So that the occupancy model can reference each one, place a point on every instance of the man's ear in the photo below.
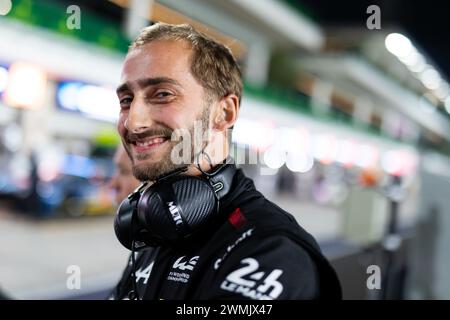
(226, 112)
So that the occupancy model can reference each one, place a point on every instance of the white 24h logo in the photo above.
(250, 270)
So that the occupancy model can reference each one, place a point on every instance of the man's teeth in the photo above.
(149, 142)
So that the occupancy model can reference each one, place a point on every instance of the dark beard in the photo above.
(151, 172)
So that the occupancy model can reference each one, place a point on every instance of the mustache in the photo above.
(158, 131)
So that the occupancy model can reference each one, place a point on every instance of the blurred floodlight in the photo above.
(299, 162)
(92, 101)
(346, 153)
(430, 78)
(398, 45)
(402, 47)
(447, 104)
(97, 102)
(367, 156)
(3, 79)
(288, 138)
(412, 58)
(26, 86)
(5, 7)
(398, 162)
(419, 66)
(325, 148)
(274, 157)
(258, 135)
(443, 91)
(414, 61)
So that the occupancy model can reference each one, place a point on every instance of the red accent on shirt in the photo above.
(237, 219)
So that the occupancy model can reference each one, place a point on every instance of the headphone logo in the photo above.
(173, 209)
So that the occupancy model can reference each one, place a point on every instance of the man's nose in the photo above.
(139, 117)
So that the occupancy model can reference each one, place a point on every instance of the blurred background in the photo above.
(345, 122)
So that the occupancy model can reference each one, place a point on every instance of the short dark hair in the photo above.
(212, 63)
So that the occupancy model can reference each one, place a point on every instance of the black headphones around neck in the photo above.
(173, 208)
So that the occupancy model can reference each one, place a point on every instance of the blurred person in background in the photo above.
(233, 245)
(122, 182)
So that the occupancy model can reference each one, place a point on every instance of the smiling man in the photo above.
(191, 245)
(167, 85)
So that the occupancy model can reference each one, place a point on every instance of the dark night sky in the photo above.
(427, 23)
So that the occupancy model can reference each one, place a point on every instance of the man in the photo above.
(174, 78)
(122, 182)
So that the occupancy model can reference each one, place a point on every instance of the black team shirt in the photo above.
(254, 251)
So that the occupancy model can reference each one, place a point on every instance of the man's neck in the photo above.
(205, 166)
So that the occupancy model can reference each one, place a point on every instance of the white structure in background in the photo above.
(287, 137)
(260, 24)
(390, 95)
(136, 18)
(32, 84)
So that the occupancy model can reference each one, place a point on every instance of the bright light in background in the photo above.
(430, 78)
(401, 46)
(26, 86)
(443, 91)
(288, 138)
(366, 156)
(98, 102)
(398, 162)
(325, 148)
(274, 157)
(299, 161)
(447, 104)
(3, 78)
(398, 45)
(5, 7)
(346, 153)
(92, 101)
(413, 58)
(391, 163)
(304, 140)
(419, 66)
(258, 135)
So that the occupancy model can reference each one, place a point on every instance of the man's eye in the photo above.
(125, 101)
(162, 94)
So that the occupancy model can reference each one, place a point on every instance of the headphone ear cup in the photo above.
(154, 218)
(197, 199)
(124, 224)
(174, 209)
